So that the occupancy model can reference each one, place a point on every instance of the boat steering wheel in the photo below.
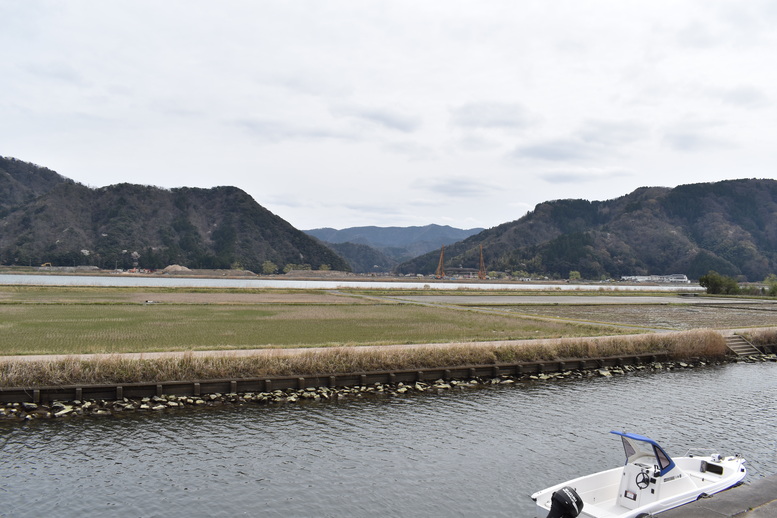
(643, 480)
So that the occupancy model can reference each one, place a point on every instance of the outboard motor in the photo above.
(565, 503)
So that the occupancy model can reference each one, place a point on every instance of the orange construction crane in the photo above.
(482, 271)
(440, 272)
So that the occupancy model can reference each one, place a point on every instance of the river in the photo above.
(476, 452)
(126, 280)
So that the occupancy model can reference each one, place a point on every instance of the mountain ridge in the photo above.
(387, 246)
(728, 226)
(47, 218)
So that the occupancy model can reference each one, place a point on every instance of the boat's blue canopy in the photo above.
(645, 450)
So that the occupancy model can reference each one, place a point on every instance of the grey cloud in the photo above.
(696, 35)
(373, 209)
(411, 150)
(745, 96)
(318, 85)
(457, 187)
(493, 115)
(472, 142)
(612, 133)
(689, 140)
(275, 131)
(57, 71)
(390, 119)
(554, 150)
(583, 175)
(593, 138)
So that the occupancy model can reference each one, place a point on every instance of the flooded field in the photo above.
(676, 317)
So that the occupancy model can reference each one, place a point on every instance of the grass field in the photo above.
(73, 320)
(55, 320)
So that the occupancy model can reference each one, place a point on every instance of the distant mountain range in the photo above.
(728, 226)
(46, 218)
(370, 249)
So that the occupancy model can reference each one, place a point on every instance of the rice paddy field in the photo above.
(476, 328)
(676, 317)
(78, 320)
(68, 320)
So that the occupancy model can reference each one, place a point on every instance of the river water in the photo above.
(475, 452)
(206, 282)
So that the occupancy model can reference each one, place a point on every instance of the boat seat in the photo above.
(708, 467)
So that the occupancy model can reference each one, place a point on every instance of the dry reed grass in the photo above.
(119, 369)
(763, 336)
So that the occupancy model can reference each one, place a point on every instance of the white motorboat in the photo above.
(650, 482)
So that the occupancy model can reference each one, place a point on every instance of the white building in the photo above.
(674, 277)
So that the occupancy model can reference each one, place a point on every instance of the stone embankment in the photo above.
(57, 409)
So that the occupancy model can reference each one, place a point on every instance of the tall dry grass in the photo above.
(120, 369)
(763, 336)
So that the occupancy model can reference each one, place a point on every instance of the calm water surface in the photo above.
(201, 282)
(477, 452)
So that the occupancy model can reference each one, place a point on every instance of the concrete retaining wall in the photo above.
(268, 384)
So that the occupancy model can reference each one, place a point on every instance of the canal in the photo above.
(474, 452)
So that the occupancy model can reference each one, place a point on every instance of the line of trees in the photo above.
(718, 284)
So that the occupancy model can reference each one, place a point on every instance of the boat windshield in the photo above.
(643, 450)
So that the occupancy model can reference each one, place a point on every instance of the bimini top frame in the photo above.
(643, 450)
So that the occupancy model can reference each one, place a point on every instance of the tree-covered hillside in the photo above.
(49, 219)
(398, 243)
(729, 227)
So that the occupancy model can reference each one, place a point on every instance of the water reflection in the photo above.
(454, 454)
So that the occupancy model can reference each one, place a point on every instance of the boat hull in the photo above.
(607, 494)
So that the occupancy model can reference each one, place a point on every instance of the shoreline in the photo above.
(46, 371)
(22, 411)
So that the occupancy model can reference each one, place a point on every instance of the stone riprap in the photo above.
(58, 409)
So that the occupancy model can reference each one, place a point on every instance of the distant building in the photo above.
(467, 273)
(674, 277)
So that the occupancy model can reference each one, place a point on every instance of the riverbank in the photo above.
(164, 367)
(83, 407)
(70, 401)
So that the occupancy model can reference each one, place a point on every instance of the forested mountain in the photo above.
(364, 258)
(397, 243)
(22, 182)
(729, 227)
(46, 218)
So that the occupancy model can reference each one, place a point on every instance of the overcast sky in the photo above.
(397, 113)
